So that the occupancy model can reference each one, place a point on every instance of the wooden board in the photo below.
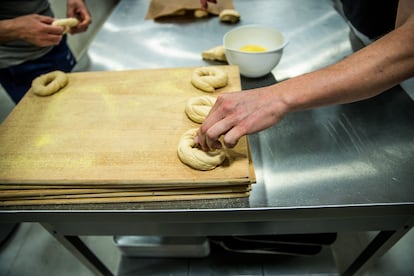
(123, 199)
(116, 192)
(112, 128)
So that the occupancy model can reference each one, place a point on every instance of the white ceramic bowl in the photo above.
(254, 64)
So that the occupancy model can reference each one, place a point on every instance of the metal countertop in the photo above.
(359, 154)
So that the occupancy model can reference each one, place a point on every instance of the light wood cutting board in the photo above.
(114, 128)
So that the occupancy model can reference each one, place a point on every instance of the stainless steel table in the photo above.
(339, 168)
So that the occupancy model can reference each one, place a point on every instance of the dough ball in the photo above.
(66, 22)
(197, 108)
(199, 13)
(229, 16)
(209, 78)
(196, 158)
(216, 53)
(49, 83)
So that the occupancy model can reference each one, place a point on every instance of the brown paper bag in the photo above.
(164, 8)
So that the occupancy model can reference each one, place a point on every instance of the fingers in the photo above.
(201, 140)
(204, 3)
(48, 28)
(40, 33)
(44, 19)
(78, 10)
(210, 140)
(84, 22)
(221, 121)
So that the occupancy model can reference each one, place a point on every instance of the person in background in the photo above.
(31, 46)
(384, 63)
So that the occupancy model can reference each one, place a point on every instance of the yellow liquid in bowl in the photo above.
(252, 48)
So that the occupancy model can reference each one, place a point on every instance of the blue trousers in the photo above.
(17, 79)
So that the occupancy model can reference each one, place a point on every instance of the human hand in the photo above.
(79, 10)
(37, 30)
(237, 114)
(204, 3)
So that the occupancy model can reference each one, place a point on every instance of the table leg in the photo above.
(382, 242)
(80, 250)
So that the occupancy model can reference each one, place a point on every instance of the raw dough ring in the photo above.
(66, 22)
(197, 108)
(208, 78)
(216, 53)
(49, 83)
(195, 157)
(229, 15)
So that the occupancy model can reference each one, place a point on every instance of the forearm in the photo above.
(362, 75)
(7, 31)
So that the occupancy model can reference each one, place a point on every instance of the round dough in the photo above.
(49, 83)
(216, 53)
(195, 157)
(229, 15)
(197, 108)
(199, 13)
(208, 78)
(66, 22)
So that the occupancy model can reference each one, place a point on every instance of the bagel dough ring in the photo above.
(49, 83)
(199, 13)
(195, 157)
(229, 16)
(197, 108)
(208, 78)
(67, 23)
(216, 53)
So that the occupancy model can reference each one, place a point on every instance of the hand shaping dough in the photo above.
(208, 78)
(49, 83)
(195, 157)
(197, 108)
(229, 15)
(216, 53)
(66, 22)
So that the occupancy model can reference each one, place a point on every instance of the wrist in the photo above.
(8, 31)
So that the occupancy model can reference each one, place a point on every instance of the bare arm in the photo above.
(37, 29)
(364, 74)
(33, 28)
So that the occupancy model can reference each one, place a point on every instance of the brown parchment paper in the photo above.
(163, 8)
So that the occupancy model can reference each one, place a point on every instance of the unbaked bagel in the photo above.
(196, 158)
(197, 108)
(229, 16)
(49, 83)
(216, 53)
(209, 78)
(67, 23)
